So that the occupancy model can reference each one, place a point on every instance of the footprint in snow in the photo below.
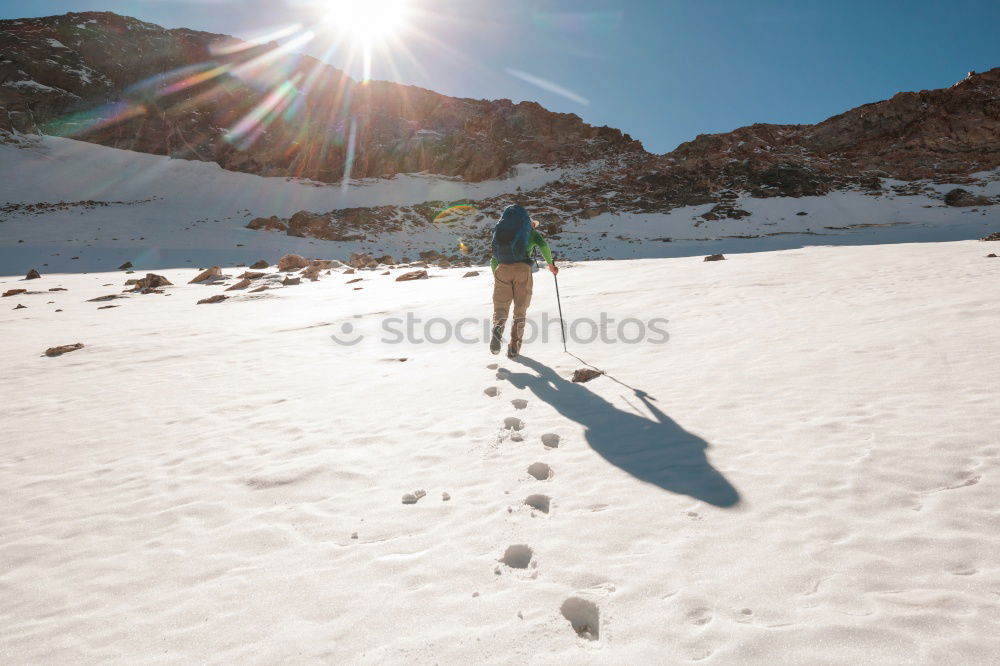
(519, 403)
(584, 616)
(513, 423)
(550, 440)
(412, 498)
(517, 556)
(491, 391)
(540, 471)
(492, 366)
(539, 502)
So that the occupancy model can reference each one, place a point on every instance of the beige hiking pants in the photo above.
(512, 283)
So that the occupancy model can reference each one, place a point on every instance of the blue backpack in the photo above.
(511, 235)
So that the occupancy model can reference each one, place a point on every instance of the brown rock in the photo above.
(62, 349)
(995, 236)
(354, 280)
(218, 298)
(252, 275)
(124, 267)
(412, 275)
(262, 287)
(242, 284)
(207, 274)
(148, 284)
(960, 197)
(273, 223)
(471, 274)
(991, 255)
(32, 275)
(14, 292)
(350, 271)
(715, 257)
(292, 262)
(20, 307)
(57, 289)
(291, 281)
(585, 375)
(101, 299)
(260, 264)
(311, 273)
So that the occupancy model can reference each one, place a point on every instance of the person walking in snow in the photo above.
(515, 238)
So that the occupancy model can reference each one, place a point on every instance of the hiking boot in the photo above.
(512, 351)
(496, 340)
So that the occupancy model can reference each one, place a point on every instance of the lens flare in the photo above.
(454, 213)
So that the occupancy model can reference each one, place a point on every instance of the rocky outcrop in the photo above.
(960, 197)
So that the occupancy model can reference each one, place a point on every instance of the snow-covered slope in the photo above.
(168, 212)
(165, 212)
(807, 471)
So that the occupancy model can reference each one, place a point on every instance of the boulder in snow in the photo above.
(218, 298)
(32, 275)
(471, 274)
(995, 236)
(14, 292)
(260, 264)
(62, 349)
(292, 262)
(273, 223)
(242, 284)
(291, 281)
(151, 282)
(715, 257)
(207, 274)
(581, 375)
(960, 197)
(127, 265)
(412, 275)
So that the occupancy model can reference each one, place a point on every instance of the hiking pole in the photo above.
(562, 325)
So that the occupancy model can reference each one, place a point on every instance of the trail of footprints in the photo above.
(583, 615)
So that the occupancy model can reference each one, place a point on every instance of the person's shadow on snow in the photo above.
(658, 452)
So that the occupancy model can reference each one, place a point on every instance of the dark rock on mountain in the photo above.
(260, 264)
(14, 292)
(272, 223)
(715, 257)
(995, 236)
(32, 275)
(218, 298)
(960, 197)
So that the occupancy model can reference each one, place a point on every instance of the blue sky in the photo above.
(661, 70)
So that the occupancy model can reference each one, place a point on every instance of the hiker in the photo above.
(515, 238)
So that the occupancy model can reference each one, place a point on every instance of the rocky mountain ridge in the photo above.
(259, 108)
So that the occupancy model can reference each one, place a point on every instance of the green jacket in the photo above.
(535, 241)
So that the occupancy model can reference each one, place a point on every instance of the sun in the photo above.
(366, 21)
